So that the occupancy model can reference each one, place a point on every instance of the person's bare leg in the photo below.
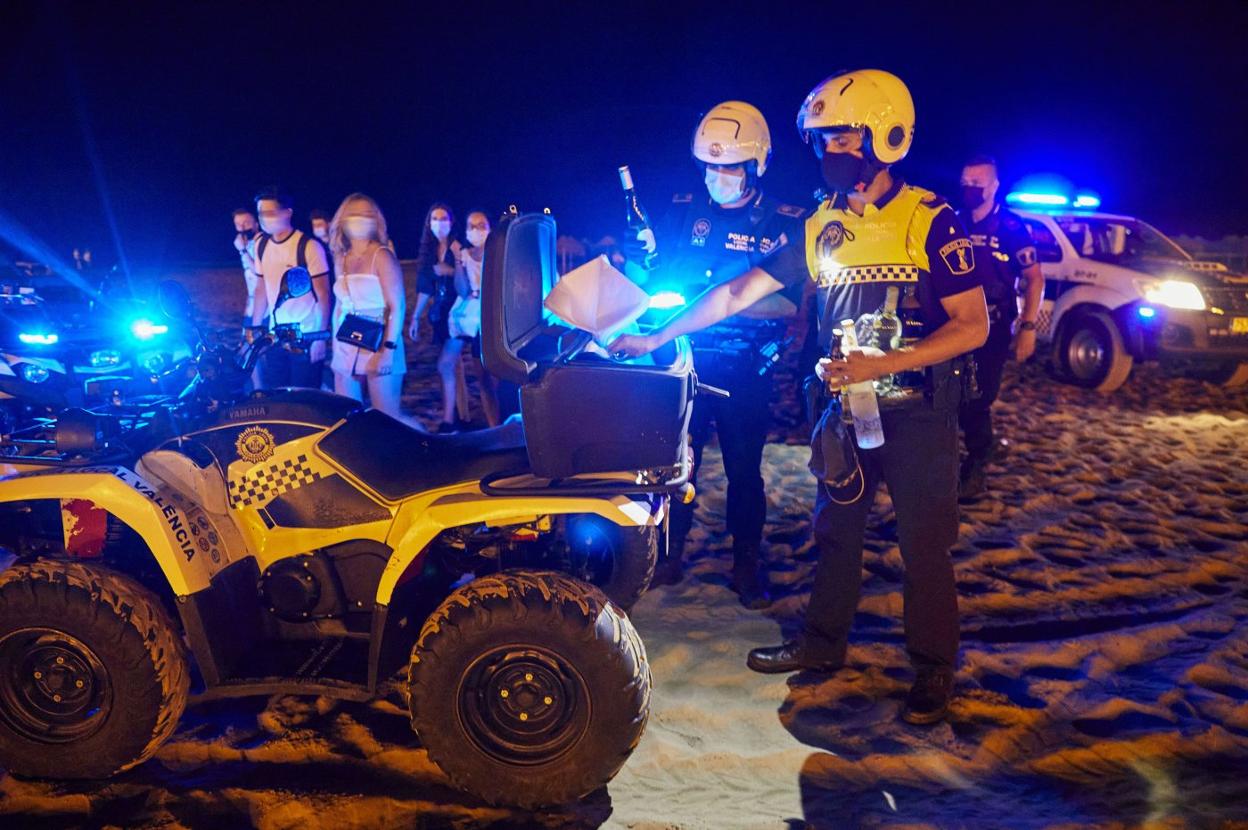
(461, 390)
(386, 393)
(489, 397)
(348, 386)
(446, 368)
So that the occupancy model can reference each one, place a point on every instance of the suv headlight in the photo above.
(1174, 294)
(32, 373)
(103, 358)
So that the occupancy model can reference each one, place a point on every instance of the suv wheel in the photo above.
(1089, 352)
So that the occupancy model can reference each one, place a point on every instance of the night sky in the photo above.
(149, 122)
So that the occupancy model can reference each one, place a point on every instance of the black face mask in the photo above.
(972, 197)
(843, 172)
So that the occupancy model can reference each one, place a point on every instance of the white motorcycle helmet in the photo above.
(733, 132)
(870, 99)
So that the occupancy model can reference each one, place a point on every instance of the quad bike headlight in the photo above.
(154, 362)
(32, 373)
(103, 358)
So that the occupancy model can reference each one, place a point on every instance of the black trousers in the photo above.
(741, 421)
(280, 367)
(975, 416)
(918, 462)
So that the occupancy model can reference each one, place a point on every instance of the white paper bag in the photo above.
(597, 298)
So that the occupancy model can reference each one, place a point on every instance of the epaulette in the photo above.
(682, 198)
(934, 201)
(790, 210)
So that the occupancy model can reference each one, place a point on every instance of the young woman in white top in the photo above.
(464, 319)
(369, 283)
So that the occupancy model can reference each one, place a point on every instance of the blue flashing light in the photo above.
(38, 338)
(667, 299)
(1042, 199)
(146, 329)
(1087, 201)
(1146, 311)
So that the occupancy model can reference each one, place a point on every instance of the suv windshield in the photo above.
(1118, 241)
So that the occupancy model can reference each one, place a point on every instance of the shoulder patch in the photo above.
(959, 256)
(682, 198)
(790, 210)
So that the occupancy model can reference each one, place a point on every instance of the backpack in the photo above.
(301, 256)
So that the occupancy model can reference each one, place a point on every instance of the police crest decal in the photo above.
(255, 444)
(830, 238)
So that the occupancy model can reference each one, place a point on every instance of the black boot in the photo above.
(928, 701)
(747, 580)
(670, 570)
(972, 481)
(786, 658)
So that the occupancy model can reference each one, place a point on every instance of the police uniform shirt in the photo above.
(1003, 248)
(713, 244)
(910, 238)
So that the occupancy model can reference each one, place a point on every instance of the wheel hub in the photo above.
(523, 705)
(53, 687)
(1086, 355)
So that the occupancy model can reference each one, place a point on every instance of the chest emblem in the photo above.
(831, 237)
(701, 230)
(255, 444)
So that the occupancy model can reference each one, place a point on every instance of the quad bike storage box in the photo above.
(582, 413)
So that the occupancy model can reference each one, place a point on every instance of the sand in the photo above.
(1104, 675)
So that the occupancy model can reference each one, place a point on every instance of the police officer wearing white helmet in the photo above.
(873, 243)
(706, 239)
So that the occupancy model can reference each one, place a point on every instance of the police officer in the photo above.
(1014, 288)
(875, 233)
(706, 240)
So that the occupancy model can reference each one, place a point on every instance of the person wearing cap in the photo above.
(706, 239)
(873, 243)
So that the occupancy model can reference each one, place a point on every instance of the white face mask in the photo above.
(359, 227)
(441, 228)
(321, 232)
(724, 187)
(272, 226)
(476, 237)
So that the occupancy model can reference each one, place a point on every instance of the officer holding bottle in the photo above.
(706, 239)
(873, 242)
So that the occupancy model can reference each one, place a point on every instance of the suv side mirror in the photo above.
(295, 283)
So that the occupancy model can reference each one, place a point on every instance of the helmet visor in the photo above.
(837, 139)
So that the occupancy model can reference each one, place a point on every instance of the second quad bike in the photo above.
(293, 542)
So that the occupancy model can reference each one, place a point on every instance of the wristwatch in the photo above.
(389, 344)
(1026, 325)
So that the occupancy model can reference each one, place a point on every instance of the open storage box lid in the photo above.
(583, 414)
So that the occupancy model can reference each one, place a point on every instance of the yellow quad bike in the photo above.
(293, 542)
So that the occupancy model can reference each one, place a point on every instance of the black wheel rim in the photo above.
(523, 705)
(53, 687)
(594, 552)
(1086, 355)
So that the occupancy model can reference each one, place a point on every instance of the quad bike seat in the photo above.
(398, 461)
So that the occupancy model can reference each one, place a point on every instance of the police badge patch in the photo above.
(959, 256)
(830, 238)
(701, 230)
(255, 444)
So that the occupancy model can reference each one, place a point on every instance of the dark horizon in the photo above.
(150, 126)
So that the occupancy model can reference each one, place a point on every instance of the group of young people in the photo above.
(360, 297)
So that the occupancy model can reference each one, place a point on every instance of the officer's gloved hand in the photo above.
(634, 250)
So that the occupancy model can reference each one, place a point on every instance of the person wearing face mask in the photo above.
(320, 226)
(1014, 288)
(873, 239)
(435, 291)
(369, 286)
(464, 318)
(279, 249)
(705, 241)
(246, 231)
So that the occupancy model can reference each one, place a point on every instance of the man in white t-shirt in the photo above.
(278, 250)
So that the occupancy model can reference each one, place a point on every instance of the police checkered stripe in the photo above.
(1044, 321)
(870, 273)
(271, 481)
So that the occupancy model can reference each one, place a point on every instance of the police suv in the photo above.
(1117, 290)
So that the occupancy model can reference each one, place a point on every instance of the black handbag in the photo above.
(364, 332)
